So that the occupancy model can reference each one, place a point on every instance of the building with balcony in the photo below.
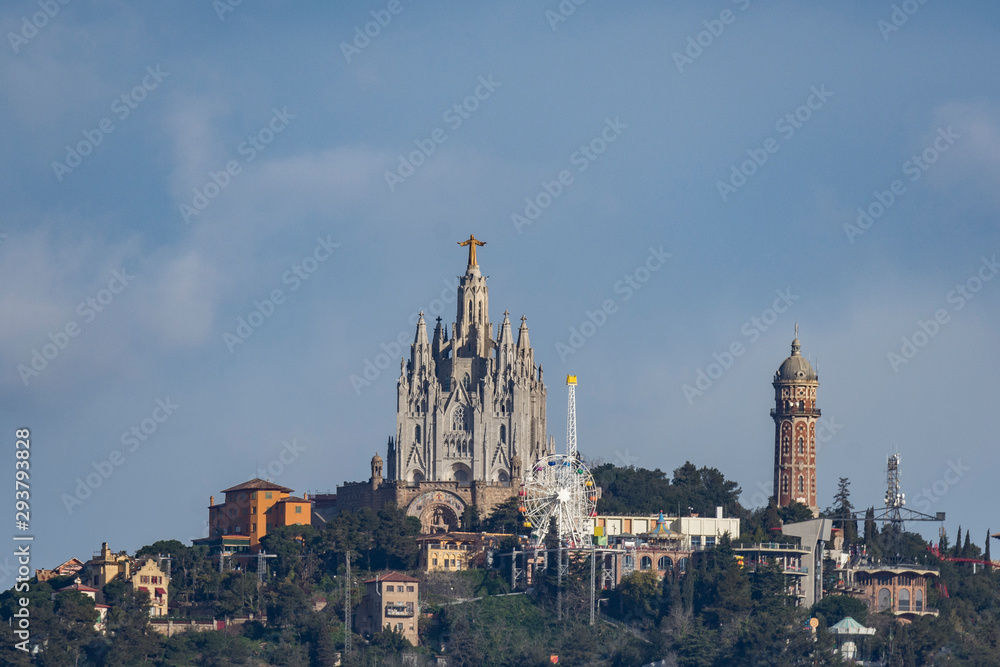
(443, 552)
(144, 575)
(685, 532)
(249, 510)
(792, 559)
(391, 601)
(657, 543)
(898, 589)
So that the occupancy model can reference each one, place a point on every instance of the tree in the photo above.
(772, 520)
(967, 547)
(505, 518)
(794, 513)
(128, 622)
(843, 507)
(871, 530)
(470, 519)
(957, 550)
(76, 614)
(836, 607)
(636, 596)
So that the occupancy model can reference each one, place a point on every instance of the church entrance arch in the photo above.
(438, 511)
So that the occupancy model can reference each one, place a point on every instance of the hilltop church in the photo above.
(470, 413)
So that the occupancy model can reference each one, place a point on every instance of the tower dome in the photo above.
(796, 367)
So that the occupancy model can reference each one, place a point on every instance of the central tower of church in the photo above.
(470, 408)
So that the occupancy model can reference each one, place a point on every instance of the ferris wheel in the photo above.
(558, 490)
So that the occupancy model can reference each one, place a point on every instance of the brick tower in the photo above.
(795, 415)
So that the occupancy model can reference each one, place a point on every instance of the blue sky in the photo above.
(279, 138)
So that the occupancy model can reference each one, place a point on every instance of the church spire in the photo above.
(522, 335)
(421, 337)
(505, 337)
(421, 360)
(472, 334)
(524, 351)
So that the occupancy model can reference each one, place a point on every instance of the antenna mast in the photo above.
(894, 496)
(571, 418)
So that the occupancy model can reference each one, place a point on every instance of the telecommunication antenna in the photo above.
(894, 496)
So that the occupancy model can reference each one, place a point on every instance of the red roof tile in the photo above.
(257, 484)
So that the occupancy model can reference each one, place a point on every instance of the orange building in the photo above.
(251, 508)
(290, 511)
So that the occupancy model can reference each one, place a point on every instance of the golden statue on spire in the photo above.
(472, 243)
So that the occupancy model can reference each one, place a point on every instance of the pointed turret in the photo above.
(439, 339)
(524, 351)
(421, 336)
(420, 352)
(522, 335)
(505, 346)
(505, 337)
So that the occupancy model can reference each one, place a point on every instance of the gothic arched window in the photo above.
(802, 484)
(458, 418)
(467, 381)
(802, 449)
(416, 434)
(503, 434)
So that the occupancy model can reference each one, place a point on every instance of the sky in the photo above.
(219, 220)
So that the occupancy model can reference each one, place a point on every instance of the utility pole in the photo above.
(347, 606)
(593, 580)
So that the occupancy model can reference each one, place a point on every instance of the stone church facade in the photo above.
(470, 414)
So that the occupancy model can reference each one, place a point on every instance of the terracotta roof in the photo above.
(77, 587)
(393, 576)
(257, 484)
(292, 499)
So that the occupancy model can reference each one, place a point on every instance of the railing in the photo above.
(796, 411)
(769, 546)
(785, 569)
(397, 610)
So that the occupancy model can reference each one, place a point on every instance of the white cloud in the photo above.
(976, 155)
(178, 303)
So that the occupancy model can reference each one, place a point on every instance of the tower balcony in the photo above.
(796, 412)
